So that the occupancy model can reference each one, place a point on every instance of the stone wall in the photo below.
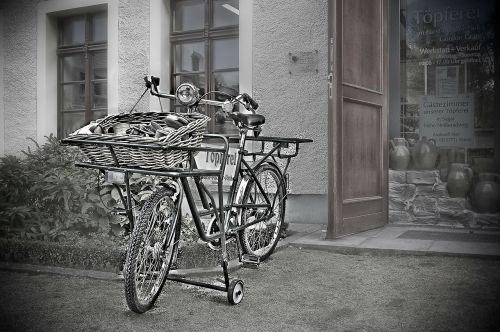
(420, 197)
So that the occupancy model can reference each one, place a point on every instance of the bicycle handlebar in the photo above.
(248, 102)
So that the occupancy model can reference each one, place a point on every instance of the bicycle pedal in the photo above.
(250, 261)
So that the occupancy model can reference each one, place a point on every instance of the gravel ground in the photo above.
(297, 290)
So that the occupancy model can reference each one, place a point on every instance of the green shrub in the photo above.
(43, 195)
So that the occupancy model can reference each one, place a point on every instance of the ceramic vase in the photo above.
(399, 155)
(486, 194)
(425, 154)
(459, 180)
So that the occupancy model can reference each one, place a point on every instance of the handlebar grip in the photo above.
(148, 83)
(155, 80)
(250, 100)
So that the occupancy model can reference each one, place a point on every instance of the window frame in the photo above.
(88, 48)
(207, 35)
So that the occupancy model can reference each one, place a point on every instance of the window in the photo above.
(82, 83)
(448, 75)
(205, 50)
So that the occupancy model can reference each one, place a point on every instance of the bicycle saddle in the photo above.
(249, 120)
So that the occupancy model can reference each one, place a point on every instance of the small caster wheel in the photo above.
(235, 291)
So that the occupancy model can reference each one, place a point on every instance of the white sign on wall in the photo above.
(212, 161)
(448, 119)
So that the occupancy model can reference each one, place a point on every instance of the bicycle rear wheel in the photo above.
(261, 238)
(153, 245)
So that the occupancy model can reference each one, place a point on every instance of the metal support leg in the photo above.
(130, 214)
(225, 258)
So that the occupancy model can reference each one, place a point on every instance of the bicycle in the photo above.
(253, 214)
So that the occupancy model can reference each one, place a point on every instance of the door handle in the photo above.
(329, 78)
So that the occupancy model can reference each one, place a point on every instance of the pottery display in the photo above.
(399, 155)
(459, 180)
(483, 165)
(425, 154)
(444, 163)
(486, 193)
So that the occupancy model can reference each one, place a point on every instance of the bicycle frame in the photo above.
(222, 212)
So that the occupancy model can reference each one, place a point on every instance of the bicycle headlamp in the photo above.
(227, 106)
(187, 94)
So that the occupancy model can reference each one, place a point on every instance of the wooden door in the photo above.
(358, 95)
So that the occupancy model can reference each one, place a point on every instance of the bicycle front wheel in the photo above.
(153, 245)
(261, 238)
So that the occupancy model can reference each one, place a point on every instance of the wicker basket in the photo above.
(139, 151)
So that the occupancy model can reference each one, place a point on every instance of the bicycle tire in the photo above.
(261, 239)
(148, 263)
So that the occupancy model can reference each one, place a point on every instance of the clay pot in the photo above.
(443, 163)
(399, 155)
(459, 180)
(425, 154)
(486, 193)
(483, 165)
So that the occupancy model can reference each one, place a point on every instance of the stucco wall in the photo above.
(20, 61)
(133, 52)
(293, 104)
(2, 124)
(19, 27)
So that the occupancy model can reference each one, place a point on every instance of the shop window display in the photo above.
(447, 114)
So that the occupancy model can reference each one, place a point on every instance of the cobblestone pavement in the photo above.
(296, 290)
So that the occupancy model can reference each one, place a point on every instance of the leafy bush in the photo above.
(43, 195)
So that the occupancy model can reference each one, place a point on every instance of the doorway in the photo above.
(358, 99)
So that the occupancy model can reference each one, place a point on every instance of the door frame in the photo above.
(335, 100)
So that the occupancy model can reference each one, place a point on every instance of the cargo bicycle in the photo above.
(254, 211)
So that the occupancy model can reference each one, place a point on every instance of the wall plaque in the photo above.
(303, 62)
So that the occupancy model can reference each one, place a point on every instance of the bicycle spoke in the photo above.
(261, 238)
(153, 252)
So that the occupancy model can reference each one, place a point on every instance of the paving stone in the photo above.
(423, 177)
(397, 176)
(401, 217)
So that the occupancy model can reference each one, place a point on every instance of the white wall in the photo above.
(2, 108)
(133, 52)
(294, 104)
(19, 45)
